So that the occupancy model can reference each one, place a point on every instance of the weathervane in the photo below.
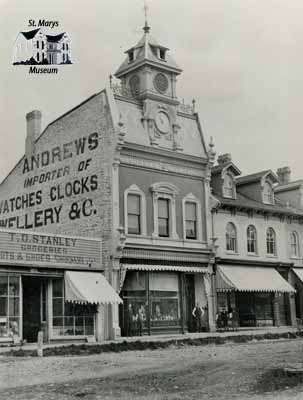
(146, 27)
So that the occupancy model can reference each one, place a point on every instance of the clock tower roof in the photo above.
(147, 52)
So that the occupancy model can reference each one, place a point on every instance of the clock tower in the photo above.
(149, 74)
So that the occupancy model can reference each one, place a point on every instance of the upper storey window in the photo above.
(268, 193)
(294, 244)
(162, 54)
(271, 242)
(231, 237)
(131, 56)
(135, 211)
(228, 186)
(192, 224)
(251, 240)
(164, 209)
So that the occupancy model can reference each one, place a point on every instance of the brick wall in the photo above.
(72, 191)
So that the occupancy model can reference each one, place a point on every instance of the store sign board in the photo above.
(49, 250)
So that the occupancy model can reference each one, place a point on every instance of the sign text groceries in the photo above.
(25, 210)
(32, 248)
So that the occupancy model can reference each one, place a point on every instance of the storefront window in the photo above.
(164, 297)
(9, 306)
(70, 319)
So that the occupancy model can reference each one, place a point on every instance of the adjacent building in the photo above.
(256, 235)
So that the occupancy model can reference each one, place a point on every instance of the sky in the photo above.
(242, 62)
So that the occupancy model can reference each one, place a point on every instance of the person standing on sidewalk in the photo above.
(197, 313)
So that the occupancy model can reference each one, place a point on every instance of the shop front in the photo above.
(53, 284)
(252, 297)
(160, 299)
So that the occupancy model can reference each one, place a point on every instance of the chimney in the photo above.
(33, 130)
(224, 158)
(284, 175)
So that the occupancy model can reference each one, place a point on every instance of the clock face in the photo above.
(161, 83)
(162, 122)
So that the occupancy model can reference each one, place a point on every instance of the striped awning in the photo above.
(251, 279)
(89, 287)
(157, 267)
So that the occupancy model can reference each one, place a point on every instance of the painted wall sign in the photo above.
(73, 181)
(44, 250)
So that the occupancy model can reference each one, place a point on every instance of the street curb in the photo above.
(116, 347)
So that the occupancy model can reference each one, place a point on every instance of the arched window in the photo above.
(271, 241)
(251, 239)
(294, 244)
(268, 193)
(228, 186)
(231, 237)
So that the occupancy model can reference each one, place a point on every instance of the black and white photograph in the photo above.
(151, 200)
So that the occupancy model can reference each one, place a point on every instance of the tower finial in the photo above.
(146, 27)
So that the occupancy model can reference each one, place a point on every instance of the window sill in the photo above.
(253, 254)
(295, 258)
(230, 252)
(271, 256)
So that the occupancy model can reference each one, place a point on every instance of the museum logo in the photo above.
(41, 50)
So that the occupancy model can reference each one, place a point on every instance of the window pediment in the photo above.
(164, 187)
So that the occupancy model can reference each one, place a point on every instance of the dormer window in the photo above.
(162, 54)
(131, 56)
(268, 193)
(228, 186)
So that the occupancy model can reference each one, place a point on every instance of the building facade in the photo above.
(128, 167)
(255, 258)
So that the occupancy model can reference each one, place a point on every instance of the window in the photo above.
(37, 44)
(271, 241)
(133, 214)
(268, 193)
(190, 220)
(164, 210)
(251, 239)
(63, 57)
(294, 244)
(66, 46)
(42, 43)
(134, 211)
(50, 46)
(192, 225)
(71, 319)
(228, 186)
(38, 57)
(131, 56)
(163, 217)
(231, 237)
(9, 306)
(63, 46)
(43, 56)
(162, 54)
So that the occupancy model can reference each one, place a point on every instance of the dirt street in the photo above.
(231, 371)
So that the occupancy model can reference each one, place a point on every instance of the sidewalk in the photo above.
(127, 343)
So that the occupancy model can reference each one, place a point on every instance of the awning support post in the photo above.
(276, 309)
(100, 323)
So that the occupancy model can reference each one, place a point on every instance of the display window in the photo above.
(150, 299)
(70, 319)
(9, 306)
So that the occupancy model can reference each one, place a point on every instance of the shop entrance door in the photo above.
(189, 284)
(31, 290)
(246, 307)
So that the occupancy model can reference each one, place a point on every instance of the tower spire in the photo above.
(146, 27)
